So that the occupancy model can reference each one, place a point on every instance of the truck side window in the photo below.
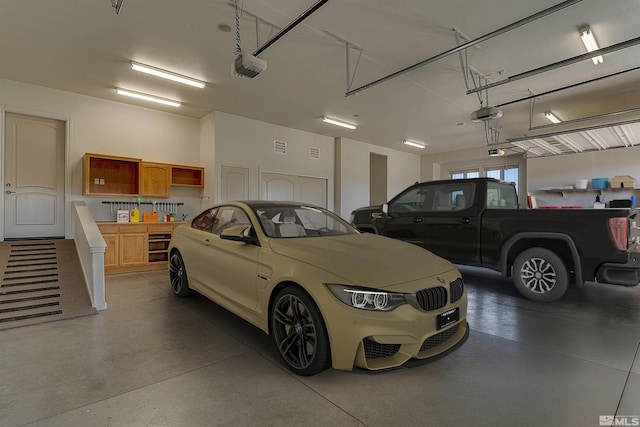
(501, 196)
(452, 197)
(411, 201)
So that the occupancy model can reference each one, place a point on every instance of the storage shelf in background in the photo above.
(187, 176)
(118, 176)
(563, 191)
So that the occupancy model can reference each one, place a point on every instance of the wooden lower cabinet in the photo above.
(136, 247)
(132, 243)
(111, 253)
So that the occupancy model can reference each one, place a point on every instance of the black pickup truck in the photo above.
(478, 222)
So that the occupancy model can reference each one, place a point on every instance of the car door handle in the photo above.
(417, 219)
(465, 220)
(206, 242)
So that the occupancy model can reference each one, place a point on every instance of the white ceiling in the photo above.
(83, 46)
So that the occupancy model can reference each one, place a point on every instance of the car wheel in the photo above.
(540, 275)
(178, 275)
(299, 332)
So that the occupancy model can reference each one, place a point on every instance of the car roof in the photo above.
(269, 203)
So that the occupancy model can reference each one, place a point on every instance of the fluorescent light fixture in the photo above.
(552, 117)
(167, 75)
(590, 43)
(414, 143)
(146, 97)
(338, 123)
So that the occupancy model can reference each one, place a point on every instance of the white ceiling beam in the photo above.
(568, 142)
(631, 135)
(619, 135)
(595, 139)
(545, 145)
(527, 148)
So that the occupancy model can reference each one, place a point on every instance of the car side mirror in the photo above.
(238, 233)
(385, 212)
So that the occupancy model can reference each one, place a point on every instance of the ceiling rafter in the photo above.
(471, 43)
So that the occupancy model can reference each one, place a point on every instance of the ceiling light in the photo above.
(590, 43)
(146, 97)
(415, 143)
(552, 117)
(338, 123)
(167, 75)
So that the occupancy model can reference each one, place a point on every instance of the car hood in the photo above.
(364, 259)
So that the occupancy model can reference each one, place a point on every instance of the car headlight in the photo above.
(366, 298)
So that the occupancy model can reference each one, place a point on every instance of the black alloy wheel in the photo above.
(299, 332)
(178, 275)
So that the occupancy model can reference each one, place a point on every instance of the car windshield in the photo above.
(301, 221)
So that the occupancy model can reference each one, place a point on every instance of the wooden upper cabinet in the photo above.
(125, 176)
(155, 179)
(119, 176)
(187, 176)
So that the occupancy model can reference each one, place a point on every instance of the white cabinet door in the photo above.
(294, 188)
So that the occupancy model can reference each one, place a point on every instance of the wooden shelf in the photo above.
(187, 176)
(116, 176)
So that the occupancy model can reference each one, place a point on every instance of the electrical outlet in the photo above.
(101, 181)
(96, 181)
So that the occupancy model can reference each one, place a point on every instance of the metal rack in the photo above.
(156, 206)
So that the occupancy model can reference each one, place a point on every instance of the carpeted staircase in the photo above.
(41, 281)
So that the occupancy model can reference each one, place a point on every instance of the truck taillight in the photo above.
(619, 229)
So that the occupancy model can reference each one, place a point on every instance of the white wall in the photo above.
(403, 170)
(112, 128)
(560, 171)
(249, 143)
(208, 158)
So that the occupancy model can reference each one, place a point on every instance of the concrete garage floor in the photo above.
(155, 360)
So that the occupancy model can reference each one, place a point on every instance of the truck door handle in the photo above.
(465, 220)
(417, 219)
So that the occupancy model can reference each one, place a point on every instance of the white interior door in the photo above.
(294, 188)
(34, 177)
(234, 183)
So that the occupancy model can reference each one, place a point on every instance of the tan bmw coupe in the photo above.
(327, 294)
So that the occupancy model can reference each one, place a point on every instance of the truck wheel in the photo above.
(540, 275)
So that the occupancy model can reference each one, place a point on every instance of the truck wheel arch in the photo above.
(508, 253)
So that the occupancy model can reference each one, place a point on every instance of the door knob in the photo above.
(9, 192)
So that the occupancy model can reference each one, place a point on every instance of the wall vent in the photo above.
(314, 153)
(280, 147)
